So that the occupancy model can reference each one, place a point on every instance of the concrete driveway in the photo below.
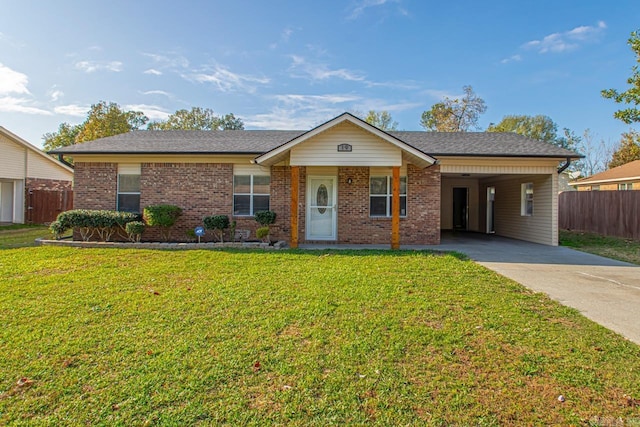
(604, 290)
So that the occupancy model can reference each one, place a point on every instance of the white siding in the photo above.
(368, 149)
(40, 167)
(542, 226)
(129, 169)
(12, 158)
(243, 169)
(446, 202)
(498, 169)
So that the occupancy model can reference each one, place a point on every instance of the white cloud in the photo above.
(169, 60)
(72, 110)
(55, 93)
(567, 40)
(152, 111)
(93, 66)
(157, 92)
(12, 81)
(319, 71)
(9, 104)
(296, 99)
(440, 94)
(361, 5)
(153, 71)
(228, 81)
(512, 58)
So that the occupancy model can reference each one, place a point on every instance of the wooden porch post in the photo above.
(295, 182)
(395, 209)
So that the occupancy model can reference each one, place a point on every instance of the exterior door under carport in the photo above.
(495, 197)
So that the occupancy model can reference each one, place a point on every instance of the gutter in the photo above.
(565, 166)
(63, 161)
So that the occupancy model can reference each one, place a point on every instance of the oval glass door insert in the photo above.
(322, 198)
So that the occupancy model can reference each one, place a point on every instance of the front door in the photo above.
(460, 208)
(491, 198)
(321, 208)
(6, 201)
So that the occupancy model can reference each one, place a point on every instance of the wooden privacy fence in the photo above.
(44, 205)
(609, 213)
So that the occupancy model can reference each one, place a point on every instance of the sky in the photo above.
(296, 64)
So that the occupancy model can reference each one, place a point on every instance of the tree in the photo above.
(628, 150)
(103, 119)
(65, 136)
(537, 127)
(108, 119)
(630, 96)
(198, 119)
(595, 155)
(455, 115)
(382, 120)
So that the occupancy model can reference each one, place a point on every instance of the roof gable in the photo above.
(32, 148)
(626, 172)
(279, 153)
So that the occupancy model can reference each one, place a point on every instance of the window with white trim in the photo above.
(250, 194)
(381, 195)
(128, 188)
(526, 208)
(625, 186)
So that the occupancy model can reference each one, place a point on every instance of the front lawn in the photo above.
(607, 246)
(20, 235)
(136, 337)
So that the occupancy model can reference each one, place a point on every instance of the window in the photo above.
(526, 208)
(625, 186)
(129, 188)
(595, 188)
(250, 194)
(381, 194)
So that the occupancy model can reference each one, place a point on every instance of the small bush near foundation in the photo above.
(265, 218)
(162, 216)
(263, 233)
(57, 229)
(104, 223)
(134, 230)
(217, 223)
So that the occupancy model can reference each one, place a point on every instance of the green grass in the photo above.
(608, 246)
(21, 235)
(137, 337)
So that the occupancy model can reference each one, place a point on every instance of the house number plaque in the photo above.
(342, 148)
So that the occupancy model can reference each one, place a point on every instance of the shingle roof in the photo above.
(260, 141)
(629, 170)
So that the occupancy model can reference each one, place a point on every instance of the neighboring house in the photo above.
(564, 180)
(25, 168)
(344, 181)
(625, 177)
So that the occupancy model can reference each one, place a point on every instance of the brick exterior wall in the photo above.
(202, 189)
(47, 184)
(96, 185)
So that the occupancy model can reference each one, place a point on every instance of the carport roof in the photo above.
(256, 142)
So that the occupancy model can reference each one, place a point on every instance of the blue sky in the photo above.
(295, 64)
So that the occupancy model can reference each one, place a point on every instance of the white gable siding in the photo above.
(40, 167)
(367, 149)
(12, 158)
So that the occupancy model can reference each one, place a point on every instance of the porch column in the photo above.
(295, 182)
(395, 209)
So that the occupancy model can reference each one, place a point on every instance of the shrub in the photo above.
(263, 233)
(162, 216)
(57, 228)
(217, 223)
(134, 230)
(103, 222)
(265, 218)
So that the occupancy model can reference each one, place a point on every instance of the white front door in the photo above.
(6, 201)
(321, 208)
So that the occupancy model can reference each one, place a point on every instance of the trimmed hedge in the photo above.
(89, 222)
(217, 223)
(265, 218)
(163, 216)
(134, 230)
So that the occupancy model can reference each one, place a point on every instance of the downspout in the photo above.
(565, 166)
(63, 161)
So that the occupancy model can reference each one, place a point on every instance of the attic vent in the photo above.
(344, 148)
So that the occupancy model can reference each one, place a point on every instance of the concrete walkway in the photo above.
(604, 290)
